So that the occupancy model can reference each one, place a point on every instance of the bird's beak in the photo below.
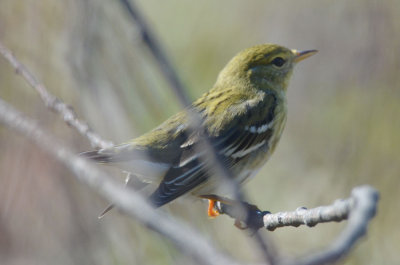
(301, 55)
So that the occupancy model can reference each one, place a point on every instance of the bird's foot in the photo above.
(246, 215)
(212, 211)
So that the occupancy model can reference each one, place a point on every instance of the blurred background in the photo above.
(343, 126)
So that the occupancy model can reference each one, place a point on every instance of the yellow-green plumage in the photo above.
(243, 115)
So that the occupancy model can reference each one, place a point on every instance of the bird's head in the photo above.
(266, 66)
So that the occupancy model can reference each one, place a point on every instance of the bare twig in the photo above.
(360, 208)
(338, 211)
(55, 104)
(185, 238)
(363, 206)
(310, 217)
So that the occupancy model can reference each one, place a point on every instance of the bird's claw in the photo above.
(246, 215)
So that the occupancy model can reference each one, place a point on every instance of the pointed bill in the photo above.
(301, 55)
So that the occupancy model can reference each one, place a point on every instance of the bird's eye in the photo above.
(278, 61)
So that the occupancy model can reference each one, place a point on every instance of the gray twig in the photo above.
(359, 209)
(185, 238)
(363, 206)
(362, 203)
(336, 212)
(52, 102)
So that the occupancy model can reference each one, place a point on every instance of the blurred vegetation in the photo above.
(343, 127)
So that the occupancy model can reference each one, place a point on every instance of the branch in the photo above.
(336, 212)
(360, 208)
(302, 216)
(185, 238)
(52, 102)
(363, 202)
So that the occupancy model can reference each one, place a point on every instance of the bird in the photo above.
(243, 116)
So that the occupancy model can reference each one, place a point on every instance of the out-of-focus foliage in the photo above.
(343, 128)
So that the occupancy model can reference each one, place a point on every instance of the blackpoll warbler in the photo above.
(243, 115)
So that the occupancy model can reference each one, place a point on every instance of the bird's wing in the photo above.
(233, 143)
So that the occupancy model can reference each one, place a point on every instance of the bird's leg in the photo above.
(247, 216)
(212, 211)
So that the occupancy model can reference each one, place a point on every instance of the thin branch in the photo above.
(359, 209)
(52, 102)
(363, 208)
(185, 238)
(336, 212)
